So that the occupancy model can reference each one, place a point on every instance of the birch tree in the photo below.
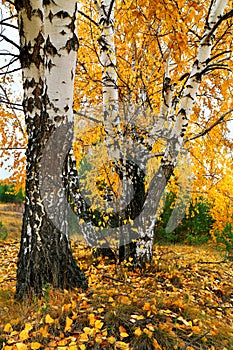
(48, 48)
(181, 84)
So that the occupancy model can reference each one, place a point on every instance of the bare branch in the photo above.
(13, 108)
(87, 117)
(221, 19)
(10, 71)
(11, 148)
(110, 11)
(9, 63)
(8, 25)
(89, 18)
(16, 105)
(9, 41)
(8, 54)
(8, 18)
(204, 132)
(10, 2)
(218, 55)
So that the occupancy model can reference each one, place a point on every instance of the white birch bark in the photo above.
(108, 62)
(48, 46)
(176, 137)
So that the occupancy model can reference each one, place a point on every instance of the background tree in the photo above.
(174, 64)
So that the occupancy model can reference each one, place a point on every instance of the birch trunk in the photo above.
(176, 135)
(48, 46)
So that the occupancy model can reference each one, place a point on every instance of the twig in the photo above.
(212, 262)
(196, 339)
(118, 280)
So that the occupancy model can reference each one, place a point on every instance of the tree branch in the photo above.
(87, 117)
(89, 18)
(9, 63)
(11, 148)
(204, 132)
(8, 25)
(10, 71)
(110, 11)
(221, 19)
(9, 41)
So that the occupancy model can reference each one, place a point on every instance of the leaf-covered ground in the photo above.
(184, 300)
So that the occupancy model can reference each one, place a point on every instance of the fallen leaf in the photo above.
(35, 346)
(8, 328)
(69, 322)
(21, 346)
(49, 319)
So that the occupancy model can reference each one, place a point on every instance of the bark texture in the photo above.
(48, 46)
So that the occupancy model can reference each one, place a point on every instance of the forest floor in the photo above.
(183, 300)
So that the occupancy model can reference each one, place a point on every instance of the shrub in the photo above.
(225, 240)
(195, 226)
(3, 232)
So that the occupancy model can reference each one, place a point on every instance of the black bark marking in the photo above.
(50, 65)
(58, 118)
(72, 44)
(50, 48)
(20, 4)
(37, 92)
(40, 13)
(50, 16)
(36, 55)
(62, 14)
(29, 104)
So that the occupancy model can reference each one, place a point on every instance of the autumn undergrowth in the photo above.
(183, 300)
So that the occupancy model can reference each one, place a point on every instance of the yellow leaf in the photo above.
(123, 332)
(88, 330)
(28, 327)
(156, 345)
(146, 307)
(23, 335)
(62, 342)
(122, 345)
(69, 322)
(49, 319)
(124, 335)
(73, 346)
(149, 333)
(180, 318)
(44, 331)
(98, 324)
(21, 346)
(83, 337)
(124, 300)
(138, 331)
(82, 347)
(98, 339)
(111, 340)
(35, 345)
(138, 317)
(8, 328)
(91, 319)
